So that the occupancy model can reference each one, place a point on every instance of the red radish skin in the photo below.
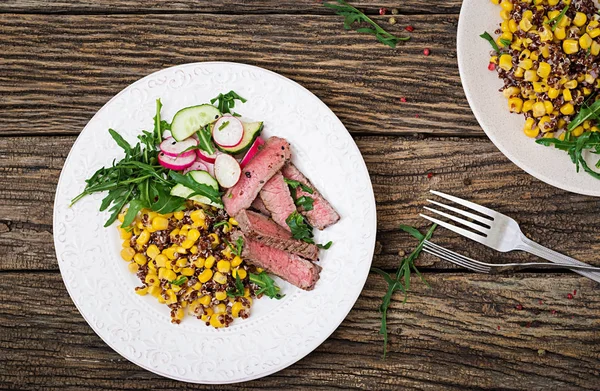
(229, 135)
(176, 163)
(198, 165)
(227, 170)
(252, 151)
(172, 147)
(206, 157)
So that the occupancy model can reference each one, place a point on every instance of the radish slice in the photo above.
(176, 163)
(172, 147)
(198, 165)
(228, 131)
(227, 170)
(252, 151)
(203, 155)
(210, 168)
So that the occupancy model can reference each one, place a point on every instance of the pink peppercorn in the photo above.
(426, 52)
(403, 100)
(382, 11)
(492, 66)
(410, 29)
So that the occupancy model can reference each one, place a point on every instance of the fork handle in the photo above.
(534, 248)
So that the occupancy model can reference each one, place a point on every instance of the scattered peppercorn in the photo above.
(430, 175)
(570, 296)
(417, 115)
(382, 11)
(498, 327)
(403, 99)
(426, 52)
(574, 292)
(553, 312)
(392, 20)
(519, 307)
(540, 302)
(410, 29)
(491, 66)
(395, 11)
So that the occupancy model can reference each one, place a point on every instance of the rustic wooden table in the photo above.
(62, 60)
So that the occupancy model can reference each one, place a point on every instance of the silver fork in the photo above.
(497, 231)
(494, 268)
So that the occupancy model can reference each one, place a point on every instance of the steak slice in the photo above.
(275, 152)
(259, 206)
(277, 199)
(322, 215)
(263, 229)
(294, 269)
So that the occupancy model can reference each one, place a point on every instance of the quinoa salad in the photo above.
(209, 212)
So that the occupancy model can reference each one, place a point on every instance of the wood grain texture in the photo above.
(221, 7)
(57, 71)
(399, 168)
(463, 332)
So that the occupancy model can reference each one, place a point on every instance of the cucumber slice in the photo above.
(251, 132)
(191, 119)
(202, 177)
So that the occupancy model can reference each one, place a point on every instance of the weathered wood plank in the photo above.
(463, 332)
(398, 166)
(57, 71)
(227, 6)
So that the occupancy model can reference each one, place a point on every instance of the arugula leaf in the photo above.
(352, 15)
(121, 142)
(198, 188)
(266, 284)
(401, 280)
(299, 227)
(134, 207)
(167, 203)
(325, 246)
(295, 184)
(179, 281)
(205, 140)
(586, 112)
(157, 123)
(238, 290)
(489, 38)
(575, 148)
(226, 102)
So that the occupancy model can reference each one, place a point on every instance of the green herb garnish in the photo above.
(238, 290)
(352, 15)
(180, 281)
(220, 223)
(325, 246)
(575, 148)
(489, 38)
(137, 179)
(401, 280)
(205, 140)
(223, 125)
(305, 202)
(239, 246)
(556, 20)
(299, 227)
(586, 112)
(295, 184)
(226, 102)
(266, 284)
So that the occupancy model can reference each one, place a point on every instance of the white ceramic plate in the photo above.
(491, 109)
(278, 333)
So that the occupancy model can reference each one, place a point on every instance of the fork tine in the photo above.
(485, 268)
(458, 230)
(453, 260)
(470, 215)
(468, 204)
(459, 220)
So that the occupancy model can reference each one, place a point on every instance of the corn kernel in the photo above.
(220, 278)
(214, 239)
(141, 291)
(169, 275)
(180, 313)
(152, 251)
(181, 262)
(160, 223)
(221, 295)
(528, 105)
(578, 131)
(143, 238)
(236, 308)
(176, 288)
(140, 259)
(210, 261)
(205, 300)
(553, 93)
(565, 21)
(504, 14)
(237, 261)
(199, 262)
(223, 266)
(579, 19)
(532, 132)
(125, 234)
(207, 314)
(170, 252)
(595, 33)
(220, 308)
(172, 297)
(193, 234)
(160, 260)
(567, 96)
(515, 105)
(539, 109)
(239, 272)
(215, 322)
(174, 233)
(529, 124)
(187, 244)
(570, 46)
(178, 215)
(567, 109)
(585, 41)
(525, 24)
(187, 271)
(127, 254)
(531, 75)
(594, 129)
(194, 250)
(151, 279)
(181, 250)
(133, 267)
(506, 62)
(519, 72)
(544, 124)
(560, 33)
(511, 91)
(544, 69)
(205, 275)
(154, 290)
(549, 107)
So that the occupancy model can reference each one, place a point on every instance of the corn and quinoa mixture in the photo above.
(549, 61)
(184, 260)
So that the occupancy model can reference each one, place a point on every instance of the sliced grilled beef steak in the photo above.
(271, 157)
(263, 229)
(259, 206)
(294, 269)
(278, 200)
(322, 215)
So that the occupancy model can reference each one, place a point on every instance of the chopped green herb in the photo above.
(180, 281)
(238, 290)
(226, 102)
(325, 246)
(305, 202)
(266, 284)
(400, 281)
(489, 38)
(556, 20)
(505, 42)
(239, 246)
(352, 15)
(220, 223)
(299, 227)
(295, 184)
(223, 125)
